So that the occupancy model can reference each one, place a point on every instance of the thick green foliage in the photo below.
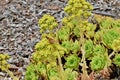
(89, 48)
(78, 8)
(70, 74)
(98, 63)
(47, 52)
(107, 22)
(109, 37)
(116, 23)
(47, 23)
(31, 72)
(72, 62)
(59, 54)
(116, 45)
(40, 71)
(99, 50)
(117, 60)
(63, 34)
(71, 46)
(53, 74)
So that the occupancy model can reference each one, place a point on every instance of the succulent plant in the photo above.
(116, 45)
(117, 60)
(60, 53)
(4, 65)
(3, 61)
(109, 37)
(99, 50)
(72, 62)
(47, 22)
(98, 63)
(89, 48)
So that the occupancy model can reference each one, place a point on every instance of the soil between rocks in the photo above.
(19, 30)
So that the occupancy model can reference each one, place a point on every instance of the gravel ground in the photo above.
(19, 30)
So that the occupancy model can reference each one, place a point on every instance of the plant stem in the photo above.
(47, 73)
(84, 66)
(61, 67)
(112, 54)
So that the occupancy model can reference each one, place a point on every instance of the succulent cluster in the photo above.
(88, 48)
(4, 65)
(99, 50)
(3, 61)
(47, 52)
(59, 55)
(71, 46)
(107, 22)
(116, 60)
(98, 63)
(72, 62)
(109, 37)
(48, 22)
(78, 8)
(115, 45)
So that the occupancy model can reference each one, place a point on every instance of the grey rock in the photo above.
(13, 9)
(6, 13)
(12, 25)
(24, 22)
(15, 61)
(2, 74)
(40, 12)
(1, 16)
(104, 13)
(11, 53)
(26, 60)
(20, 70)
(2, 48)
(10, 60)
(19, 25)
